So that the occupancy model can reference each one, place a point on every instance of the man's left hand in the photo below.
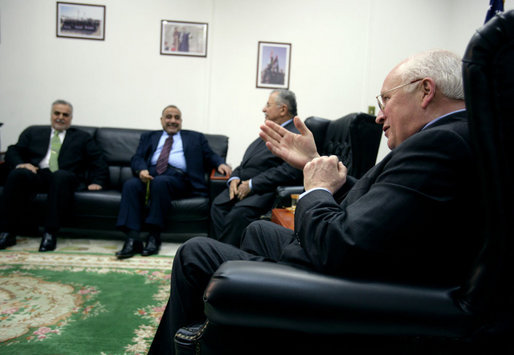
(224, 169)
(324, 172)
(243, 190)
(94, 187)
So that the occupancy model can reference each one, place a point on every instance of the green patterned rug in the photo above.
(79, 303)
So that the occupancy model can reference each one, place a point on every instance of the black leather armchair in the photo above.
(268, 308)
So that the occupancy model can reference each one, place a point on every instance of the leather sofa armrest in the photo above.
(270, 295)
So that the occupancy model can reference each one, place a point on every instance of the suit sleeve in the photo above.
(281, 175)
(30, 148)
(211, 159)
(395, 217)
(139, 160)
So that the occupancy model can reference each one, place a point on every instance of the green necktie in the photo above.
(55, 147)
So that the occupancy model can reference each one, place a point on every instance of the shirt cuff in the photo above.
(314, 189)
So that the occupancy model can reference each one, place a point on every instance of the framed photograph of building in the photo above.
(80, 21)
(273, 65)
(184, 38)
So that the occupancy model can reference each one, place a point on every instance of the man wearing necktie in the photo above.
(56, 160)
(250, 192)
(169, 164)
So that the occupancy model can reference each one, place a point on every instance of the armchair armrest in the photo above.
(269, 295)
(283, 195)
(215, 175)
(217, 182)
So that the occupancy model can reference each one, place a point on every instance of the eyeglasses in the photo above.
(380, 100)
(58, 113)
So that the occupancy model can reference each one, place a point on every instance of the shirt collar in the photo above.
(443, 116)
(165, 134)
(286, 122)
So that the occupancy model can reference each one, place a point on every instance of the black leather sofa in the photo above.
(94, 213)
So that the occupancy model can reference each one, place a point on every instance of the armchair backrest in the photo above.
(488, 74)
(354, 138)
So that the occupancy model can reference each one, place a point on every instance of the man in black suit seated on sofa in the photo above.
(56, 159)
(169, 164)
(411, 218)
(251, 188)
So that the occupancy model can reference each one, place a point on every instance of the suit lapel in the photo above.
(185, 145)
(252, 150)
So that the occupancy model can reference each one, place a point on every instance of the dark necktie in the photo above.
(162, 161)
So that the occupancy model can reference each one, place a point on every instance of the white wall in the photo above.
(341, 52)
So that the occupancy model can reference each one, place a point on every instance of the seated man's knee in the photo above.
(20, 173)
(252, 231)
(255, 227)
(133, 184)
(194, 247)
(63, 175)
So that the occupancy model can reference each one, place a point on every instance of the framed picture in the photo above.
(183, 38)
(80, 21)
(273, 65)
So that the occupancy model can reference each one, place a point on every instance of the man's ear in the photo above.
(428, 90)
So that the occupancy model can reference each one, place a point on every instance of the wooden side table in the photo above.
(283, 217)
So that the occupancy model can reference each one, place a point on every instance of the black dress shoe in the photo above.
(48, 242)
(130, 248)
(153, 244)
(7, 240)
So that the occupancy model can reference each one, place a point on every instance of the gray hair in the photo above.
(63, 102)
(444, 67)
(171, 106)
(288, 98)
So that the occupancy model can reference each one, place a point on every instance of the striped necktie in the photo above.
(162, 161)
(55, 147)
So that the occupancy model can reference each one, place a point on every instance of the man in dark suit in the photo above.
(56, 159)
(411, 218)
(251, 188)
(169, 164)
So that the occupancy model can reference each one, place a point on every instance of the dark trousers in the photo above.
(171, 185)
(21, 188)
(230, 218)
(194, 264)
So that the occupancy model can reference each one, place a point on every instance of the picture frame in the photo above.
(273, 65)
(184, 38)
(84, 21)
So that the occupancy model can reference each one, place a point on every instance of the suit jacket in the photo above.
(266, 170)
(79, 153)
(409, 218)
(199, 156)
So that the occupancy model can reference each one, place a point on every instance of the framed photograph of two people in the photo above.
(183, 38)
(273, 65)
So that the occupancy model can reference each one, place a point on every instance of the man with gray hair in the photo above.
(251, 188)
(411, 218)
(57, 160)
